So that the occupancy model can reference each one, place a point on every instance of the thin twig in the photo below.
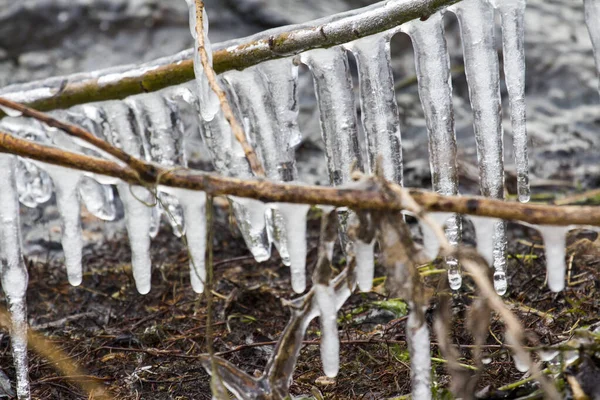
(366, 197)
(211, 76)
(61, 361)
(77, 132)
(514, 329)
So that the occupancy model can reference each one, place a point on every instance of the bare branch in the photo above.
(367, 197)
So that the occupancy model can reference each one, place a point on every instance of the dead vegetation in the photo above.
(149, 347)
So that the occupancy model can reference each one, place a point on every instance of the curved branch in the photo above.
(362, 195)
(120, 82)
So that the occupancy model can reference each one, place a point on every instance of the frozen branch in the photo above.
(363, 195)
(120, 82)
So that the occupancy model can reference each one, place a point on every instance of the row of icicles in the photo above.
(160, 127)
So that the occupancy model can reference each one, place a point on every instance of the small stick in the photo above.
(236, 128)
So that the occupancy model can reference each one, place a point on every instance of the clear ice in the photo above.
(266, 97)
(476, 20)
(513, 38)
(122, 132)
(485, 229)
(432, 64)
(379, 110)
(337, 111)
(419, 347)
(13, 272)
(67, 200)
(294, 217)
(194, 211)
(365, 264)
(555, 238)
(330, 342)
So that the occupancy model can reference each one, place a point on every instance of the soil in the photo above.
(147, 347)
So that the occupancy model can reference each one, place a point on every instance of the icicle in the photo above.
(209, 102)
(294, 217)
(137, 219)
(513, 36)
(194, 210)
(280, 78)
(431, 244)
(229, 159)
(330, 341)
(335, 98)
(13, 272)
(555, 238)
(250, 215)
(98, 198)
(476, 19)
(67, 200)
(267, 99)
(432, 64)
(33, 184)
(137, 201)
(379, 110)
(592, 20)
(365, 264)
(485, 235)
(417, 336)
(162, 137)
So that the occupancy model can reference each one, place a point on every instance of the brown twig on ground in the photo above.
(60, 360)
(514, 329)
(211, 76)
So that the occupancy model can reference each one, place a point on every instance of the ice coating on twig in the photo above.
(67, 200)
(432, 64)
(194, 210)
(13, 273)
(513, 37)
(555, 238)
(294, 217)
(209, 102)
(419, 347)
(379, 110)
(337, 111)
(476, 19)
(592, 20)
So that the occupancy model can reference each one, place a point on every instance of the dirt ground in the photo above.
(147, 347)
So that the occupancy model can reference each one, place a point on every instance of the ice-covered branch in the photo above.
(363, 195)
(120, 82)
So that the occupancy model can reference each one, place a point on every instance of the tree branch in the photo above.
(364, 195)
(120, 82)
